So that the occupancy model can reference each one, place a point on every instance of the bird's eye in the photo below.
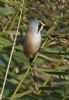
(39, 26)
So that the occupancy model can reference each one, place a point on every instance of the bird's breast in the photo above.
(32, 44)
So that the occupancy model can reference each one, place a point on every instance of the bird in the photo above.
(32, 39)
(32, 42)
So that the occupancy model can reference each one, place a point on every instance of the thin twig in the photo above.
(7, 24)
(43, 44)
(13, 21)
(18, 86)
(50, 31)
(4, 83)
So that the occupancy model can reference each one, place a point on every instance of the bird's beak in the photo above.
(43, 24)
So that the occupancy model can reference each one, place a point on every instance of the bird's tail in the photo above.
(34, 73)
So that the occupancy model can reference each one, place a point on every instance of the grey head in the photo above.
(35, 25)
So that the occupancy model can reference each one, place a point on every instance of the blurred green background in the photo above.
(52, 61)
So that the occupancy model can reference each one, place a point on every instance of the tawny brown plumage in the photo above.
(30, 46)
(32, 39)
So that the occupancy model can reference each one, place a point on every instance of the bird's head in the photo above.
(35, 26)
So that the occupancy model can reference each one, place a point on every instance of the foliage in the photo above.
(52, 61)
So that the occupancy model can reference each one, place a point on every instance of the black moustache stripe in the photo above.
(39, 27)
